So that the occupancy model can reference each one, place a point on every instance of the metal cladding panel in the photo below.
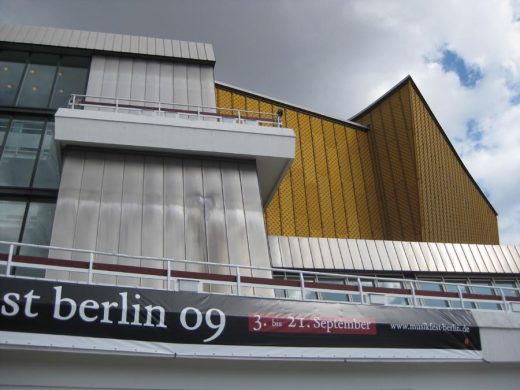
(214, 216)
(348, 263)
(274, 251)
(95, 79)
(355, 255)
(110, 79)
(450, 256)
(499, 264)
(152, 83)
(401, 256)
(174, 242)
(235, 216)
(285, 251)
(166, 83)
(515, 255)
(395, 265)
(138, 80)
(194, 86)
(180, 83)
(480, 251)
(104, 42)
(305, 250)
(365, 255)
(317, 259)
(110, 212)
(256, 234)
(374, 255)
(510, 258)
(67, 204)
(195, 234)
(85, 234)
(336, 253)
(428, 257)
(474, 255)
(130, 234)
(466, 266)
(410, 256)
(384, 256)
(124, 81)
(192, 48)
(296, 255)
(201, 51)
(153, 207)
(419, 257)
(326, 255)
(502, 259)
(207, 86)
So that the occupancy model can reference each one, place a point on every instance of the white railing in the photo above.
(95, 267)
(171, 109)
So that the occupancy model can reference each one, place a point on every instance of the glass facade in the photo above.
(32, 86)
(38, 80)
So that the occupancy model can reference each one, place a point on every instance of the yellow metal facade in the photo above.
(400, 180)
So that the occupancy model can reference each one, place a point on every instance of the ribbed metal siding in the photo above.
(152, 80)
(396, 256)
(99, 41)
(192, 209)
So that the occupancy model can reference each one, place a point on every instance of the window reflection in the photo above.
(38, 227)
(19, 153)
(11, 217)
(47, 172)
(12, 65)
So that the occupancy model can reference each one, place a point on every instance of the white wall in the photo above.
(31, 369)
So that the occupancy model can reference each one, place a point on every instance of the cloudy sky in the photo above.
(336, 57)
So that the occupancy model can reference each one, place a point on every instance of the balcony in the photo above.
(171, 128)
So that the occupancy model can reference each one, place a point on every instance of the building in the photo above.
(150, 216)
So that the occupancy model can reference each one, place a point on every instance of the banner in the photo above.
(71, 309)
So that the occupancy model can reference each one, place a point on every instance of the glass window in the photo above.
(12, 66)
(333, 296)
(38, 228)
(38, 81)
(463, 289)
(19, 154)
(482, 289)
(393, 300)
(4, 124)
(11, 218)
(71, 78)
(47, 170)
(508, 285)
(432, 302)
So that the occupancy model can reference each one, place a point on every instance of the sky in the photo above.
(338, 56)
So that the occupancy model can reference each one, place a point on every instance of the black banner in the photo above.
(197, 318)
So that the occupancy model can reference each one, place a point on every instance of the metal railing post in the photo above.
(117, 105)
(302, 286)
(169, 276)
(237, 270)
(461, 297)
(90, 267)
(238, 112)
(73, 101)
(159, 108)
(507, 307)
(9, 260)
(198, 113)
(360, 288)
(414, 298)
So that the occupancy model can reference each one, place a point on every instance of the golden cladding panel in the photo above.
(453, 209)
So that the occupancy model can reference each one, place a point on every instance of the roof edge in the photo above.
(346, 122)
(394, 89)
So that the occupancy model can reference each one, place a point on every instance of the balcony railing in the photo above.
(95, 267)
(176, 110)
